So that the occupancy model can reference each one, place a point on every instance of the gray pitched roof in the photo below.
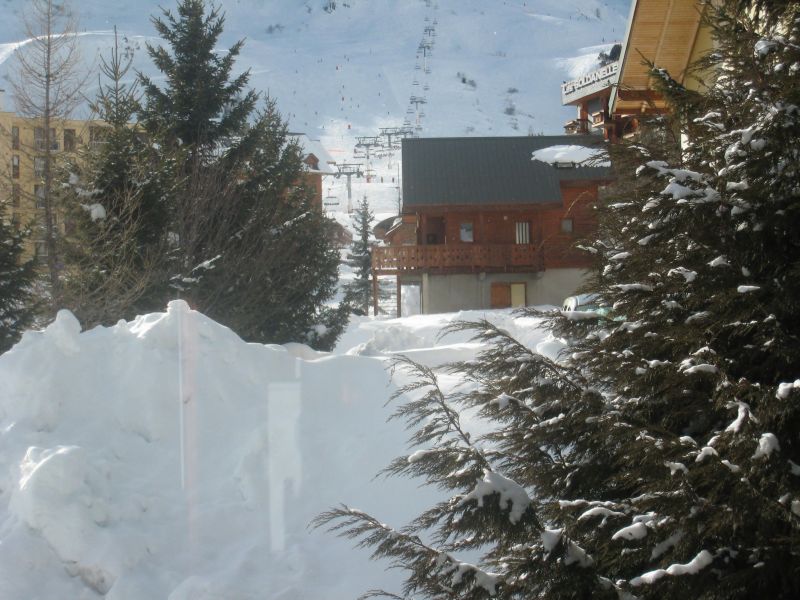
(487, 170)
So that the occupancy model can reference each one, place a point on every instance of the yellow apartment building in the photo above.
(22, 148)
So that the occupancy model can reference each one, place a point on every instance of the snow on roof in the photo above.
(315, 147)
(571, 155)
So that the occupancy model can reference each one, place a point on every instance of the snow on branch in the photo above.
(407, 550)
(694, 566)
(512, 495)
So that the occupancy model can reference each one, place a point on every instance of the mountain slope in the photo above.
(493, 68)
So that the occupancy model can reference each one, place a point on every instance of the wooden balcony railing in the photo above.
(456, 258)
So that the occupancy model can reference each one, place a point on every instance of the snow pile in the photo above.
(166, 458)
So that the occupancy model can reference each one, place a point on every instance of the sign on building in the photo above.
(595, 81)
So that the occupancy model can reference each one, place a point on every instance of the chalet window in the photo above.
(523, 235)
(69, 140)
(38, 166)
(15, 166)
(567, 226)
(38, 191)
(14, 137)
(15, 195)
(467, 233)
(40, 247)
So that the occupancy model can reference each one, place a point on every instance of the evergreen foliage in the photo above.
(256, 254)
(114, 249)
(17, 276)
(659, 457)
(201, 103)
(247, 247)
(359, 291)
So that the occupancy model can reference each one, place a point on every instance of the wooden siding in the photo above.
(456, 258)
(494, 247)
(662, 31)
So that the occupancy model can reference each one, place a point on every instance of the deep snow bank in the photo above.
(166, 458)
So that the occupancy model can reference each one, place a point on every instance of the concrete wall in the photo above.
(450, 293)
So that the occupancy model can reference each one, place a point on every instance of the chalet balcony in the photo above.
(456, 258)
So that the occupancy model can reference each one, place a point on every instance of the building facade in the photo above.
(22, 149)
(485, 226)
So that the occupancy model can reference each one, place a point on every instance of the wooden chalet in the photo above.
(612, 99)
(485, 226)
(318, 163)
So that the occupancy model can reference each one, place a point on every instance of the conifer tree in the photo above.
(258, 256)
(247, 249)
(201, 104)
(359, 291)
(114, 250)
(659, 456)
(17, 276)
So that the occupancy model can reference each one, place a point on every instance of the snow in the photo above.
(767, 444)
(551, 538)
(664, 546)
(694, 566)
(744, 289)
(688, 275)
(572, 155)
(764, 47)
(512, 495)
(503, 400)
(785, 389)
(742, 416)
(676, 467)
(688, 368)
(599, 511)
(487, 581)
(720, 261)
(576, 554)
(637, 531)
(705, 452)
(97, 212)
(633, 287)
(166, 458)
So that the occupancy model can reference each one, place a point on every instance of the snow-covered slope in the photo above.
(494, 67)
(165, 458)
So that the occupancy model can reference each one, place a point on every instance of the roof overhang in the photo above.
(664, 32)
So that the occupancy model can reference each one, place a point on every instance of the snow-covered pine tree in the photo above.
(659, 456)
(17, 276)
(359, 291)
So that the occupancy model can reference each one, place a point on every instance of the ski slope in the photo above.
(493, 68)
